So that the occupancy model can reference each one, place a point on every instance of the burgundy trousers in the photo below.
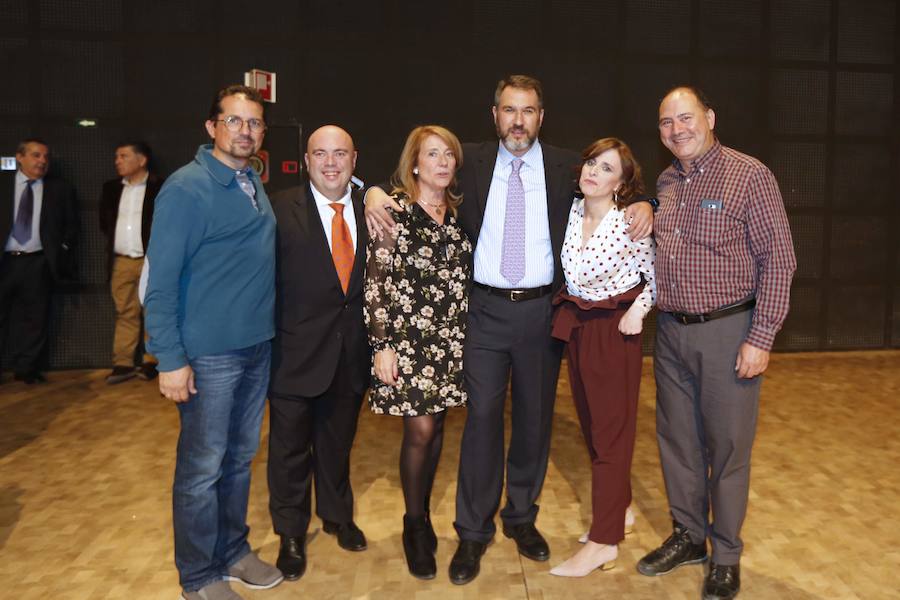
(605, 375)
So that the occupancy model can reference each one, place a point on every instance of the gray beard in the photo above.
(517, 146)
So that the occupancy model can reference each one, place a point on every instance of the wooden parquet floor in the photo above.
(86, 470)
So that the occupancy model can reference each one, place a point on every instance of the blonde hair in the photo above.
(404, 181)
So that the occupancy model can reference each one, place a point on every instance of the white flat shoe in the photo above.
(605, 561)
(629, 526)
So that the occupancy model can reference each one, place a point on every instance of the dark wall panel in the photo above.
(807, 86)
(866, 31)
(801, 29)
(800, 170)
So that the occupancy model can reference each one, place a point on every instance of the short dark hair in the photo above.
(20, 149)
(701, 97)
(252, 94)
(522, 82)
(139, 146)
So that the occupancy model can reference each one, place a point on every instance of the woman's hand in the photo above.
(632, 322)
(386, 366)
(378, 220)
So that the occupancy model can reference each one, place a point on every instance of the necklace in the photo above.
(438, 207)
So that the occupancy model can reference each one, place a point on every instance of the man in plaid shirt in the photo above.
(724, 266)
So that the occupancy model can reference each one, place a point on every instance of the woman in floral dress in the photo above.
(416, 299)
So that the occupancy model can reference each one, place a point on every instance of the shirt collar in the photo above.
(704, 161)
(143, 181)
(533, 159)
(321, 200)
(221, 172)
(22, 179)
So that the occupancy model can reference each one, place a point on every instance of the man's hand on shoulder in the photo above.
(378, 220)
(751, 361)
(177, 385)
(639, 217)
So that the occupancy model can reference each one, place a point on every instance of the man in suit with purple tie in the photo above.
(39, 229)
(517, 192)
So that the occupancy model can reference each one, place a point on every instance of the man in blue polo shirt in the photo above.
(210, 315)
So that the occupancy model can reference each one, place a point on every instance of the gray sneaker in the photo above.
(254, 573)
(218, 590)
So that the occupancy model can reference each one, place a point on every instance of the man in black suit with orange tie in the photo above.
(39, 229)
(320, 355)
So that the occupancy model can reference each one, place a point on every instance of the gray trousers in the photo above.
(705, 425)
(508, 344)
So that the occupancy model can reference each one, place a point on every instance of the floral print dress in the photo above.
(416, 295)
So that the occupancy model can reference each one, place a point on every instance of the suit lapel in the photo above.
(362, 237)
(484, 172)
(46, 200)
(7, 203)
(556, 177)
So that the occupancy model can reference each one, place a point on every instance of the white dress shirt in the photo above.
(128, 240)
(538, 248)
(326, 213)
(37, 189)
(611, 262)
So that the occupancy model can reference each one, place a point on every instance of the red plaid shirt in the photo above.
(723, 237)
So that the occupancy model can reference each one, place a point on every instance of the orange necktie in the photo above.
(341, 245)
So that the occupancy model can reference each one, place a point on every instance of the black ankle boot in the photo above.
(432, 537)
(417, 547)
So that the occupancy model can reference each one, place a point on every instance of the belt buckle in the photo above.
(516, 295)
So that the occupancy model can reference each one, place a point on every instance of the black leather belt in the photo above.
(22, 253)
(516, 295)
(690, 319)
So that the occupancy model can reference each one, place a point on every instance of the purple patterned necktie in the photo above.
(22, 226)
(512, 257)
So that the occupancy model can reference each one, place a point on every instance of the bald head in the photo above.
(686, 124)
(330, 160)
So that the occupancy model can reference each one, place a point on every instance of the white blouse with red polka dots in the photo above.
(611, 262)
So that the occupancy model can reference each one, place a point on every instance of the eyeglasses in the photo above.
(235, 123)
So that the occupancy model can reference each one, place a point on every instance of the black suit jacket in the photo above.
(475, 181)
(314, 320)
(59, 225)
(109, 211)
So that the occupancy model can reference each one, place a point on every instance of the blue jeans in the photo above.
(220, 427)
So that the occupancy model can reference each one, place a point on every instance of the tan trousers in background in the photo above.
(126, 274)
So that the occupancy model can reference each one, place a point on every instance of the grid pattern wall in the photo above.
(808, 86)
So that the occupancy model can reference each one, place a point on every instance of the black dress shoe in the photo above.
(417, 547)
(349, 536)
(119, 374)
(723, 582)
(529, 541)
(292, 557)
(147, 371)
(466, 561)
(676, 551)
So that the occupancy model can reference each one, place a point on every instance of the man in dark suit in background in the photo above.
(320, 355)
(516, 199)
(39, 229)
(126, 214)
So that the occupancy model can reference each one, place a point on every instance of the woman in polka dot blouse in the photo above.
(610, 288)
